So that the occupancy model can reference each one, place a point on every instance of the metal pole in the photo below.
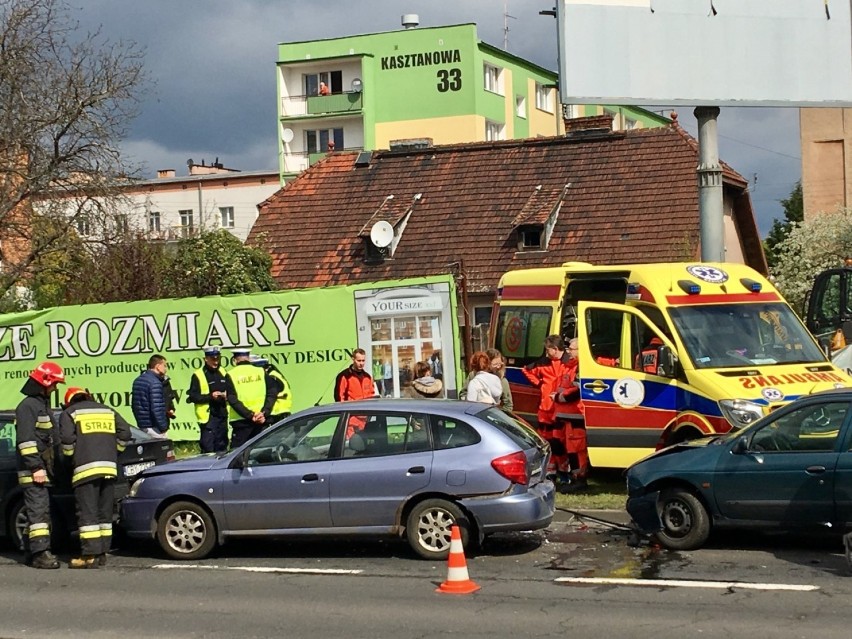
(711, 211)
(200, 210)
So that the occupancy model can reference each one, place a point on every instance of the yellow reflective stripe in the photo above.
(68, 449)
(106, 530)
(29, 450)
(25, 480)
(27, 444)
(46, 424)
(94, 471)
(90, 532)
(39, 530)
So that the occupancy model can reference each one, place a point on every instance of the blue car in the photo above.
(790, 470)
(368, 468)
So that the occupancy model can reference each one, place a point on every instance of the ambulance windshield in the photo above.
(736, 335)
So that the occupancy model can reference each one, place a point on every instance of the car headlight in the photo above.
(134, 488)
(740, 412)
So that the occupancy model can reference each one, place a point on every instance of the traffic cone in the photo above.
(458, 581)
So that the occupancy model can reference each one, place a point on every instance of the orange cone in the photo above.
(458, 581)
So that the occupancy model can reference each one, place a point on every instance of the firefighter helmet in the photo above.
(48, 373)
(71, 392)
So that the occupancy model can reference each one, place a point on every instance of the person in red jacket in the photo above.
(545, 374)
(352, 383)
(569, 409)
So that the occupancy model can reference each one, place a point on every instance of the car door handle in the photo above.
(416, 470)
(596, 386)
(310, 477)
(815, 470)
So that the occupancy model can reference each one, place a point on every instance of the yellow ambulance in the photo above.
(668, 352)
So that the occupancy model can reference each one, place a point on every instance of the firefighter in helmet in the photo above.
(92, 434)
(35, 437)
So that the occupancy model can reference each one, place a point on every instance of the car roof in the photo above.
(442, 406)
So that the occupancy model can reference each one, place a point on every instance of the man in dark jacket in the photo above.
(207, 390)
(251, 395)
(92, 434)
(149, 401)
(35, 435)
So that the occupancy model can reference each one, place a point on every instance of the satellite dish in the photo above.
(287, 135)
(356, 85)
(381, 234)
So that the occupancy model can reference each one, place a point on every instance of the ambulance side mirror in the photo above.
(668, 364)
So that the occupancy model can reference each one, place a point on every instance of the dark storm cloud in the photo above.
(214, 66)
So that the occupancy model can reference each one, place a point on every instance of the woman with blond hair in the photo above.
(485, 386)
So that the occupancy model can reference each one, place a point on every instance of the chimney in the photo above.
(410, 20)
(595, 124)
(410, 144)
(165, 173)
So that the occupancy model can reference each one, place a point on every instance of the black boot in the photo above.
(44, 560)
(577, 485)
(102, 560)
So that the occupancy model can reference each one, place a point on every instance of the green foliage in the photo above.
(794, 213)
(217, 263)
(814, 245)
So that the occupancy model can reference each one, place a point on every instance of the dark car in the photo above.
(143, 452)
(790, 470)
(378, 467)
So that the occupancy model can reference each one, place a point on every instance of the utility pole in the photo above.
(710, 209)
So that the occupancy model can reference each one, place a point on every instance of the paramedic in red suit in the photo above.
(545, 374)
(648, 360)
(569, 406)
(353, 383)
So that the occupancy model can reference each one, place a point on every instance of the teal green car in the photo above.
(789, 470)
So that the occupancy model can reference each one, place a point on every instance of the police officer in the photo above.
(35, 435)
(207, 390)
(250, 394)
(283, 405)
(92, 434)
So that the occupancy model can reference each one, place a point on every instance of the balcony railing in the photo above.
(320, 104)
(297, 162)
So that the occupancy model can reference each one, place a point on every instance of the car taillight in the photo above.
(513, 467)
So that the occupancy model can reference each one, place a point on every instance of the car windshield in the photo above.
(734, 335)
(516, 429)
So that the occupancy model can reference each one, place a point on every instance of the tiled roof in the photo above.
(631, 197)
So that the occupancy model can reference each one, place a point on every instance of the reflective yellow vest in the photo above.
(250, 386)
(284, 400)
(202, 411)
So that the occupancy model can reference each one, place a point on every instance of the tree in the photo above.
(217, 263)
(810, 247)
(66, 99)
(794, 212)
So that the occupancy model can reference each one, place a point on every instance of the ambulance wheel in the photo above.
(686, 524)
(185, 530)
(429, 527)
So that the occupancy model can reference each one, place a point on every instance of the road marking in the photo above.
(681, 583)
(295, 571)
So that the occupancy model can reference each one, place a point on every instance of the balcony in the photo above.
(298, 162)
(300, 105)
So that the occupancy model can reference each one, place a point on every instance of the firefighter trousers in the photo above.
(95, 502)
(37, 504)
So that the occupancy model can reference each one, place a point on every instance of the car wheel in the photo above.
(186, 531)
(686, 524)
(429, 527)
(17, 524)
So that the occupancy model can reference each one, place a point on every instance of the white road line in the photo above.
(295, 571)
(681, 583)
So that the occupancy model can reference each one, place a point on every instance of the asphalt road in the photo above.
(379, 589)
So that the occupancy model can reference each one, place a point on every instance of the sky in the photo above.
(212, 65)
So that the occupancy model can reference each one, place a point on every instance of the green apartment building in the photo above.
(441, 83)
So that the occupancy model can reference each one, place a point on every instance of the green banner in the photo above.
(309, 334)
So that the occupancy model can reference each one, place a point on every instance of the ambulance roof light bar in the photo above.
(751, 285)
(690, 288)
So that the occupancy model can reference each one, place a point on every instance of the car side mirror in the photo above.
(740, 446)
(668, 364)
(240, 461)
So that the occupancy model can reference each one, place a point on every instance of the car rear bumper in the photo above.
(643, 511)
(529, 510)
(137, 517)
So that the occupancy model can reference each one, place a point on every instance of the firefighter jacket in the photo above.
(93, 434)
(35, 434)
(249, 391)
(545, 374)
(351, 384)
(203, 382)
(284, 397)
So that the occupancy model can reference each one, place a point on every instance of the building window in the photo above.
(493, 79)
(186, 222)
(520, 106)
(481, 315)
(543, 97)
(531, 238)
(317, 141)
(154, 221)
(227, 213)
(494, 131)
(84, 227)
(630, 123)
(121, 224)
(332, 79)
